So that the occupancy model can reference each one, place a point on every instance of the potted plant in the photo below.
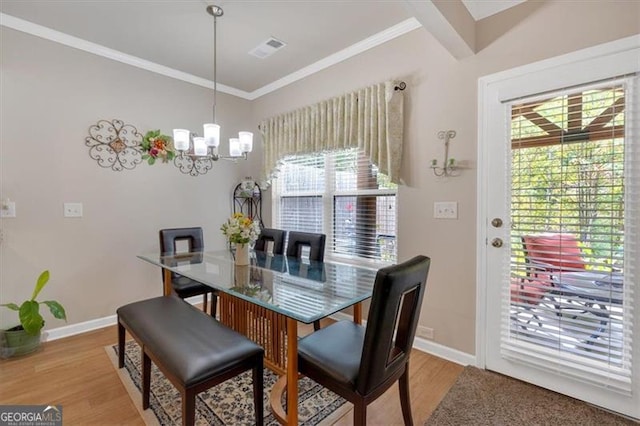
(25, 338)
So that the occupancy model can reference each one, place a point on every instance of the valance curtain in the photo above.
(370, 119)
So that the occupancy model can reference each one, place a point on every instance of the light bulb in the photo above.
(246, 141)
(181, 139)
(234, 147)
(199, 147)
(211, 134)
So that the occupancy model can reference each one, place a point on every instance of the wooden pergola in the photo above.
(599, 128)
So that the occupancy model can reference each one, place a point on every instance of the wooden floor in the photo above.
(75, 372)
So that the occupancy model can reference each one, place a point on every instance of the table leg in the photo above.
(289, 381)
(357, 313)
(167, 282)
(292, 371)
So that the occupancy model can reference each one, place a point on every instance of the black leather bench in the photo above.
(193, 350)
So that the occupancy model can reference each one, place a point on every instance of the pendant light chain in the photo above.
(215, 64)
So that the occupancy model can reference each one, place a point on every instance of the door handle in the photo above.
(496, 242)
(496, 222)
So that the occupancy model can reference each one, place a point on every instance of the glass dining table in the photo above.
(268, 298)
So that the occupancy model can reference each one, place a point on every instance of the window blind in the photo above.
(569, 303)
(344, 196)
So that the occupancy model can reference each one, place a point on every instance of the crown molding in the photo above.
(115, 55)
(342, 55)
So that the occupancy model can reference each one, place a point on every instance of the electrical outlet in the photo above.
(445, 210)
(424, 332)
(72, 209)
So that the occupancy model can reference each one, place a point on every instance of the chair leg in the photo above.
(258, 391)
(146, 380)
(214, 304)
(405, 399)
(188, 407)
(205, 302)
(316, 325)
(359, 413)
(121, 336)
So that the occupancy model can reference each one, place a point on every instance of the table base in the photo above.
(278, 335)
(265, 327)
(271, 331)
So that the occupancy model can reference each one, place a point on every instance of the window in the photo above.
(569, 178)
(342, 195)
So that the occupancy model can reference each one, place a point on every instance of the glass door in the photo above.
(561, 257)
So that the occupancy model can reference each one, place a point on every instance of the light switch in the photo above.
(72, 209)
(445, 210)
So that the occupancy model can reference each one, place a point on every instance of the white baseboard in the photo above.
(339, 316)
(428, 346)
(444, 352)
(81, 327)
(423, 345)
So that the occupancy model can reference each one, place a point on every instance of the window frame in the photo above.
(328, 196)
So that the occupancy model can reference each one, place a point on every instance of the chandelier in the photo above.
(197, 153)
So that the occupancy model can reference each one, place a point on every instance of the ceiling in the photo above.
(179, 34)
(481, 9)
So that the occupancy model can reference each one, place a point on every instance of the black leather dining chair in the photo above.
(276, 236)
(299, 240)
(315, 243)
(359, 363)
(183, 286)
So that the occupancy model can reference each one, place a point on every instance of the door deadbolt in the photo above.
(496, 242)
(496, 222)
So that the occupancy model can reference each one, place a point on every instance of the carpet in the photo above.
(229, 403)
(482, 397)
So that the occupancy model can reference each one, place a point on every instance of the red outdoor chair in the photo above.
(557, 274)
(554, 252)
(545, 255)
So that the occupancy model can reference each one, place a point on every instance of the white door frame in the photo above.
(526, 80)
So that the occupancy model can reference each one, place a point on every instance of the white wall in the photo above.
(441, 94)
(51, 95)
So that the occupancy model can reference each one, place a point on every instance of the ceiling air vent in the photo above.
(267, 48)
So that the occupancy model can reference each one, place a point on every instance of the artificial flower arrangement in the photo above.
(241, 229)
(156, 145)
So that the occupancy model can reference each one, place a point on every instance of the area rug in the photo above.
(482, 397)
(229, 403)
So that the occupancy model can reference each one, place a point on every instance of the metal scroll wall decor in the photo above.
(192, 165)
(114, 145)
